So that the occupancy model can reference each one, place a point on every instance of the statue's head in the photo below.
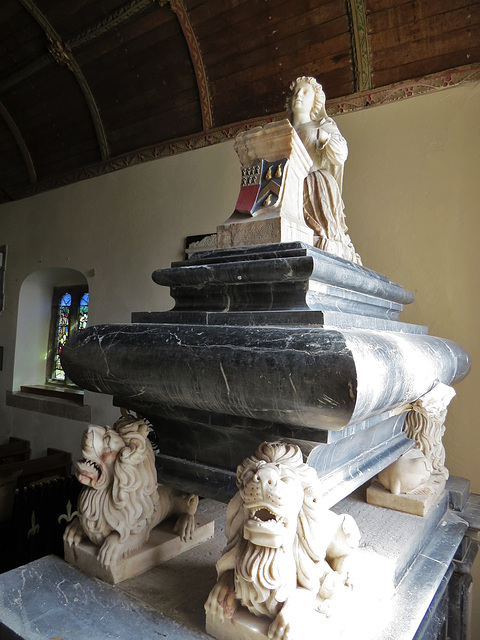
(306, 92)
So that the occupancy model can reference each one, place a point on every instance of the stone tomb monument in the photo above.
(272, 339)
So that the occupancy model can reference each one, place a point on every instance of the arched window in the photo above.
(52, 304)
(39, 319)
(69, 315)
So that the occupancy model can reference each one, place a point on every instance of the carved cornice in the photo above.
(180, 11)
(62, 54)
(361, 56)
(27, 158)
(403, 90)
(355, 102)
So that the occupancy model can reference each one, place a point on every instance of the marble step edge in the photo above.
(416, 592)
(316, 268)
(220, 484)
(352, 474)
(328, 319)
(333, 268)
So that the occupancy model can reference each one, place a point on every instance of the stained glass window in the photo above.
(63, 322)
(69, 314)
(83, 312)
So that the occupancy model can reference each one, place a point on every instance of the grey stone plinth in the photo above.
(288, 283)
(49, 599)
(301, 376)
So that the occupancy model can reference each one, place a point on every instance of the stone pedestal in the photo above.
(417, 503)
(270, 204)
(162, 545)
(286, 342)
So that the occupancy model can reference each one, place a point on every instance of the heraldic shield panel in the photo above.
(261, 186)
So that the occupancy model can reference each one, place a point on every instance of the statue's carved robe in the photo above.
(322, 199)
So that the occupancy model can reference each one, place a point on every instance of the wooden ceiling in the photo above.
(89, 86)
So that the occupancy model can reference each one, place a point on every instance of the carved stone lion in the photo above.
(121, 501)
(421, 469)
(286, 555)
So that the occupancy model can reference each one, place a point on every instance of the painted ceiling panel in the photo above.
(94, 85)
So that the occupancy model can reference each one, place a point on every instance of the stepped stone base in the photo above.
(163, 545)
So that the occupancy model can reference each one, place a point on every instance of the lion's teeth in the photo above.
(254, 514)
(91, 463)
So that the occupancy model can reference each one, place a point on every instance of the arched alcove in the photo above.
(33, 322)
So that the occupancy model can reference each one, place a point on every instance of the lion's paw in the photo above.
(73, 533)
(221, 602)
(111, 551)
(279, 629)
(185, 527)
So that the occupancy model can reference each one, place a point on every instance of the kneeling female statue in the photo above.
(322, 205)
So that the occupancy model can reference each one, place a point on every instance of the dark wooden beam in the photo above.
(32, 176)
(62, 54)
(180, 11)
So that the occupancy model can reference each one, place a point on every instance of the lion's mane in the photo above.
(260, 572)
(127, 504)
(426, 429)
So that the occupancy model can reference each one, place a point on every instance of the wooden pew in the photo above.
(55, 463)
(14, 450)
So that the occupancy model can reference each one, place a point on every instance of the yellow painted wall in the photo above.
(412, 194)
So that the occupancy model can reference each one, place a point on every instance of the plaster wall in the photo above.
(411, 191)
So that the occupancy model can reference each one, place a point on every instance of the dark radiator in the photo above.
(41, 511)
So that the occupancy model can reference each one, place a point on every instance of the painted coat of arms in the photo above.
(261, 186)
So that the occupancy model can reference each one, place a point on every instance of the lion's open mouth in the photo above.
(88, 472)
(264, 527)
(266, 515)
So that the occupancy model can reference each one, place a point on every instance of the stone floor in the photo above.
(51, 600)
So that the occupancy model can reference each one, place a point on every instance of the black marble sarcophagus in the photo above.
(269, 342)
